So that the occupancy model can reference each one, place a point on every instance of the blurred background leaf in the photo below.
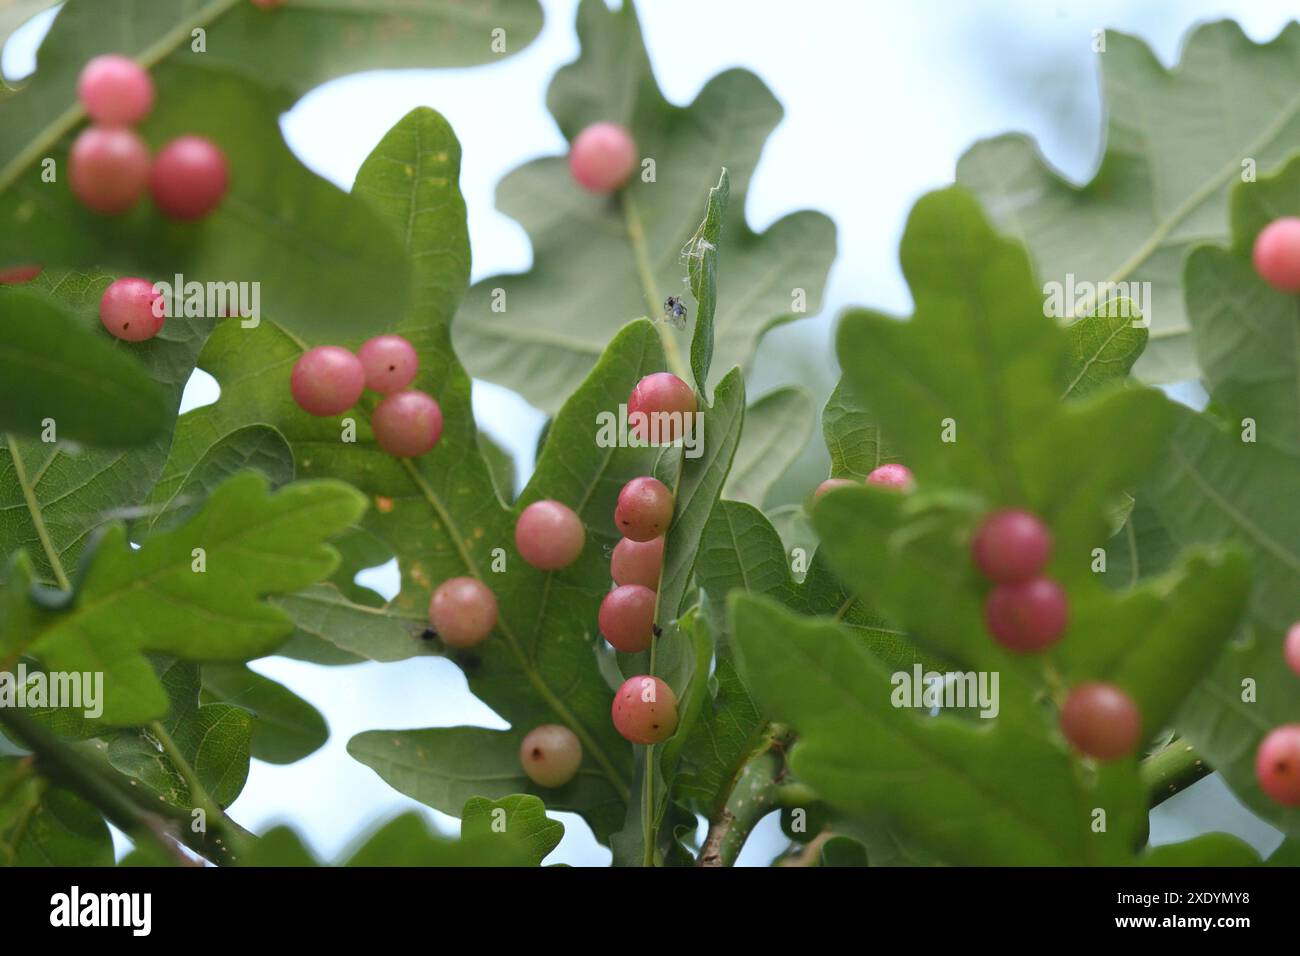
(1231, 474)
(600, 261)
(1172, 154)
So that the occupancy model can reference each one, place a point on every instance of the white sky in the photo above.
(881, 99)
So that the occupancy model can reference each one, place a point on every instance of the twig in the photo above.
(755, 793)
(1173, 768)
(126, 807)
(60, 761)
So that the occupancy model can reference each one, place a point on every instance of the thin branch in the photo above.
(1173, 768)
(756, 792)
(61, 762)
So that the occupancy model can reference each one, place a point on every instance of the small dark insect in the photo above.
(659, 631)
(675, 311)
(428, 634)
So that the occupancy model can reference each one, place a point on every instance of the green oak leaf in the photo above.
(1016, 444)
(1103, 347)
(519, 818)
(45, 825)
(446, 766)
(410, 180)
(1287, 854)
(701, 252)
(280, 847)
(599, 261)
(541, 665)
(153, 599)
(285, 727)
(741, 552)
(682, 649)
(54, 371)
(843, 851)
(970, 392)
(776, 429)
(213, 739)
(501, 464)
(330, 629)
(407, 841)
(1173, 151)
(64, 491)
(1231, 474)
(683, 644)
(1009, 795)
(440, 513)
(852, 436)
(176, 496)
(1209, 849)
(315, 253)
(1140, 549)
(699, 483)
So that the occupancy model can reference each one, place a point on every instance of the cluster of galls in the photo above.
(328, 380)
(645, 708)
(550, 536)
(892, 475)
(1027, 611)
(601, 160)
(109, 167)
